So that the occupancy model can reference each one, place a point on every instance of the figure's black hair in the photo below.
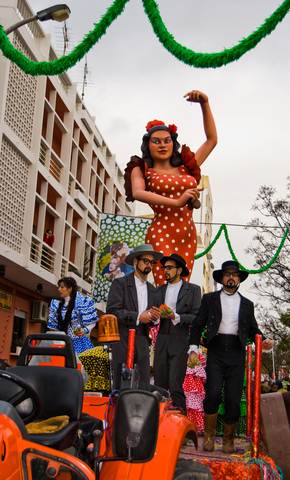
(63, 323)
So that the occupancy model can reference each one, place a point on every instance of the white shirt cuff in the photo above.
(193, 348)
(138, 321)
(176, 319)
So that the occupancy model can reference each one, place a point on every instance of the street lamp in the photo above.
(59, 13)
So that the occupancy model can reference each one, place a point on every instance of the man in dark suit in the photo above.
(229, 322)
(170, 357)
(132, 299)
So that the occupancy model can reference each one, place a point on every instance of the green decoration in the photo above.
(186, 55)
(216, 59)
(62, 64)
(265, 267)
(223, 228)
(212, 243)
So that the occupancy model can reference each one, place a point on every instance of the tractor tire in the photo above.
(191, 470)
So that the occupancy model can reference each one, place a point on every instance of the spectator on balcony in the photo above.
(49, 237)
(75, 314)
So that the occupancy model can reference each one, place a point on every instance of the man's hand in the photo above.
(155, 313)
(79, 332)
(267, 344)
(150, 315)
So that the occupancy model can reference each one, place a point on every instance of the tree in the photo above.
(273, 285)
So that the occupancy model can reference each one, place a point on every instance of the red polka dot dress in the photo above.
(172, 229)
(193, 387)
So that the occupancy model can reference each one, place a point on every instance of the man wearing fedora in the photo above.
(170, 357)
(133, 300)
(229, 322)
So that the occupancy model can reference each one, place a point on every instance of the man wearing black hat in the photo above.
(229, 321)
(170, 357)
(132, 299)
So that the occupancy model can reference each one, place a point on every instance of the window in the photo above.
(19, 330)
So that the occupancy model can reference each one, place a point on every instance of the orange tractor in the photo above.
(132, 434)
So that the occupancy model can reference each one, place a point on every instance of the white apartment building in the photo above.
(57, 173)
(203, 267)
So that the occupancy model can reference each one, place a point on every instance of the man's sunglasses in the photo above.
(146, 261)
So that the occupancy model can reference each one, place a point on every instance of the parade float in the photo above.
(50, 428)
(136, 434)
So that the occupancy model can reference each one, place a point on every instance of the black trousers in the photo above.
(170, 361)
(225, 368)
(141, 358)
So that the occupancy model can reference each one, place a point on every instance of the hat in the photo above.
(146, 249)
(180, 262)
(218, 274)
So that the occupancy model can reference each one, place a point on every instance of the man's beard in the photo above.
(231, 286)
(146, 270)
(171, 279)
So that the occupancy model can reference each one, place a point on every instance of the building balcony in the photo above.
(42, 254)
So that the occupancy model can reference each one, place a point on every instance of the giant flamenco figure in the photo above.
(167, 179)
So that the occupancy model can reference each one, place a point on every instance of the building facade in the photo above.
(57, 174)
(203, 267)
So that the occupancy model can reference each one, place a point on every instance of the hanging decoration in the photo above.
(64, 63)
(223, 228)
(182, 53)
(215, 59)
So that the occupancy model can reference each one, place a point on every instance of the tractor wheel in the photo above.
(191, 470)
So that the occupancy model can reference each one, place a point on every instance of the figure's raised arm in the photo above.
(208, 123)
(140, 193)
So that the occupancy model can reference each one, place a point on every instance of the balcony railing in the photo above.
(55, 168)
(64, 267)
(42, 153)
(42, 254)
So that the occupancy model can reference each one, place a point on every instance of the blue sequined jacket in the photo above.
(84, 314)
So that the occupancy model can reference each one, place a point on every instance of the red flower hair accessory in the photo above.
(154, 123)
(172, 128)
(158, 123)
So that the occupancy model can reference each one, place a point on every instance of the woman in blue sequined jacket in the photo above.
(74, 314)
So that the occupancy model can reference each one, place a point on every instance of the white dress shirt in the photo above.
(229, 325)
(142, 296)
(230, 313)
(171, 295)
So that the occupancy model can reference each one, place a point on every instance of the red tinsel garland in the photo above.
(227, 470)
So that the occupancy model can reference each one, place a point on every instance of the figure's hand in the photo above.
(267, 344)
(189, 194)
(196, 96)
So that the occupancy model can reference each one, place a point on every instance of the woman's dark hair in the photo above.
(63, 323)
(175, 160)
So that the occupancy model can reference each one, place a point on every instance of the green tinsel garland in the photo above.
(186, 55)
(216, 59)
(62, 64)
(223, 228)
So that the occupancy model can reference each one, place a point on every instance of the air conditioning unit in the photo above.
(39, 311)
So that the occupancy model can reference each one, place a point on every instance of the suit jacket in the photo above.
(210, 315)
(187, 306)
(123, 302)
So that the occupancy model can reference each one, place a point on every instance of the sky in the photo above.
(133, 79)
